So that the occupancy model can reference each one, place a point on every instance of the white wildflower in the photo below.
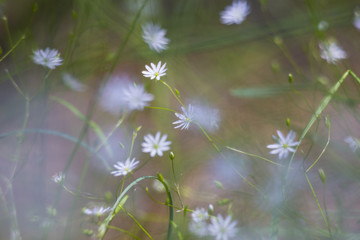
(331, 52)
(185, 118)
(123, 168)
(156, 71)
(154, 36)
(96, 211)
(284, 145)
(72, 83)
(58, 177)
(235, 13)
(199, 229)
(135, 97)
(155, 145)
(222, 229)
(111, 94)
(49, 58)
(323, 25)
(206, 116)
(353, 142)
(200, 215)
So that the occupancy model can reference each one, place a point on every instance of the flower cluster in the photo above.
(203, 224)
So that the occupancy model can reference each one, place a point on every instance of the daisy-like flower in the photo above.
(235, 13)
(357, 19)
(96, 211)
(353, 142)
(222, 228)
(58, 177)
(331, 52)
(154, 36)
(73, 83)
(156, 71)
(49, 58)
(199, 215)
(155, 145)
(284, 145)
(111, 94)
(185, 118)
(136, 98)
(123, 168)
(199, 229)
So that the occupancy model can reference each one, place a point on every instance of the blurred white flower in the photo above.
(58, 177)
(49, 58)
(331, 52)
(185, 118)
(323, 25)
(111, 98)
(200, 215)
(357, 19)
(72, 83)
(353, 142)
(284, 145)
(222, 229)
(155, 145)
(235, 13)
(135, 97)
(154, 36)
(96, 211)
(199, 229)
(206, 116)
(123, 168)
(156, 71)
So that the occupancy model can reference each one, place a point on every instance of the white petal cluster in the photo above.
(200, 215)
(206, 116)
(49, 58)
(119, 93)
(331, 52)
(185, 118)
(155, 145)
(123, 168)
(284, 145)
(223, 228)
(155, 71)
(357, 19)
(154, 36)
(235, 13)
(136, 98)
(96, 211)
(72, 83)
(353, 142)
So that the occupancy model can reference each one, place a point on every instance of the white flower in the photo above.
(284, 145)
(353, 142)
(185, 118)
(136, 98)
(235, 13)
(58, 177)
(206, 116)
(124, 168)
(357, 19)
(111, 94)
(49, 58)
(156, 71)
(199, 215)
(199, 229)
(155, 145)
(331, 52)
(222, 229)
(323, 25)
(154, 36)
(96, 211)
(73, 83)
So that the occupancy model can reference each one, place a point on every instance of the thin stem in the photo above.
(161, 108)
(322, 152)
(13, 48)
(137, 223)
(124, 231)
(172, 91)
(326, 212)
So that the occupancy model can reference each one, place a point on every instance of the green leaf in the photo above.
(96, 128)
(263, 92)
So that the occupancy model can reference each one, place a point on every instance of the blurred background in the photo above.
(237, 73)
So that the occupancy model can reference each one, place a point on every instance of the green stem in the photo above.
(172, 91)
(12, 48)
(123, 231)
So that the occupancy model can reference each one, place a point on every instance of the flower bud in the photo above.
(322, 175)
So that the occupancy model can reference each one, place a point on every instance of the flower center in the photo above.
(156, 74)
(156, 146)
(285, 145)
